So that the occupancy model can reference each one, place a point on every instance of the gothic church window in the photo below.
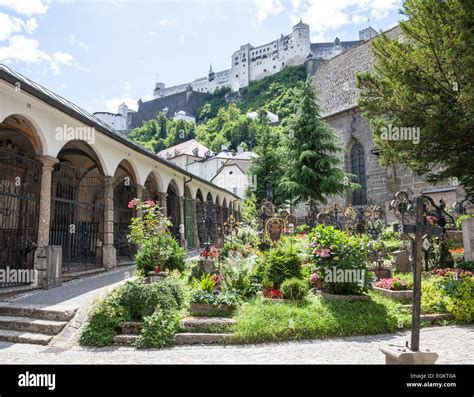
(359, 196)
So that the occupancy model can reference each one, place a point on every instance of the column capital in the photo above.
(48, 161)
(109, 181)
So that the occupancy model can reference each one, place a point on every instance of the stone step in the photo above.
(436, 317)
(24, 337)
(124, 339)
(192, 338)
(7, 309)
(207, 324)
(131, 328)
(29, 324)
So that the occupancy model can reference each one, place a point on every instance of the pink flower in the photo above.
(325, 253)
(133, 203)
(313, 244)
(150, 203)
(314, 278)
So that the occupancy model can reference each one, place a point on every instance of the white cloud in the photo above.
(265, 8)
(23, 49)
(324, 15)
(83, 46)
(164, 22)
(10, 25)
(25, 7)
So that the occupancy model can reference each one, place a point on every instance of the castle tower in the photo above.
(301, 33)
(158, 91)
(211, 75)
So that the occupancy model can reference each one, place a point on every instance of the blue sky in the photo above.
(100, 53)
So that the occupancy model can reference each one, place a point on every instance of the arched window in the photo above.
(359, 196)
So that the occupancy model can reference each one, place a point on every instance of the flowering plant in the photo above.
(334, 251)
(149, 221)
(450, 272)
(274, 294)
(213, 253)
(393, 284)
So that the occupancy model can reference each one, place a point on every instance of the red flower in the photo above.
(274, 294)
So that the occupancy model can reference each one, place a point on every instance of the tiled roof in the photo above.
(185, 148)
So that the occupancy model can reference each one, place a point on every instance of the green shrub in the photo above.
(278, 265)
(469, 265)
(221, 298)
(449, 293)
(237, 275)
(132, 301)
(162, 251)
(294, 289)
(141, 300)
(206, 283)
(103, 322)
(158, 330)
(341, 260)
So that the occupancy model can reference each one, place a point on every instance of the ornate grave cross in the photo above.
(419, 219)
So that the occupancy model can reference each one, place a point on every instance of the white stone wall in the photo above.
(116, 121)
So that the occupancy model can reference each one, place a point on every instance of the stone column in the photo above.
(197, 243)
(182, 234)
(42, 253)
(468, 238)
(162, 197)
(109, 255)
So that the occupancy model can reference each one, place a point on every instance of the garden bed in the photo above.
(401, 296)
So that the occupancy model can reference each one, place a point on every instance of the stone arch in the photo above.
(201, 217)
(78, 202)
(173, 208)
(125, 189)
(126, 169)
(199, 195)
(20, 182)
(151, 188)
(24, 132)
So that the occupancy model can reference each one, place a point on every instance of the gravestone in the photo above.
(468, 238)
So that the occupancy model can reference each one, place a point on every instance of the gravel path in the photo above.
(454, 344)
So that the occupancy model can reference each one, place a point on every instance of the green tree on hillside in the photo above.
(313, 167)
(424, 78)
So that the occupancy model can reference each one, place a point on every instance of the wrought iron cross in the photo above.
(420, 218)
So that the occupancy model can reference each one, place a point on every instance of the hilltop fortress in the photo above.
(251, 63)
(248, 64)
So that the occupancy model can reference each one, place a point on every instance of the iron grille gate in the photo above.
(123, 215)
(201, 222)
(172, 206)
(77, 217)
(20, 185)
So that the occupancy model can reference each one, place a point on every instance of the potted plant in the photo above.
(378, 254)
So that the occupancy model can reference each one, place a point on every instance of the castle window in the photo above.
(359, 196)
(236, 75)
(264, 70)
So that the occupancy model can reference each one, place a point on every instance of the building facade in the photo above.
(66, 179)
(335, 82)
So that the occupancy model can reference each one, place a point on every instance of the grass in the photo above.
(316, 318)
